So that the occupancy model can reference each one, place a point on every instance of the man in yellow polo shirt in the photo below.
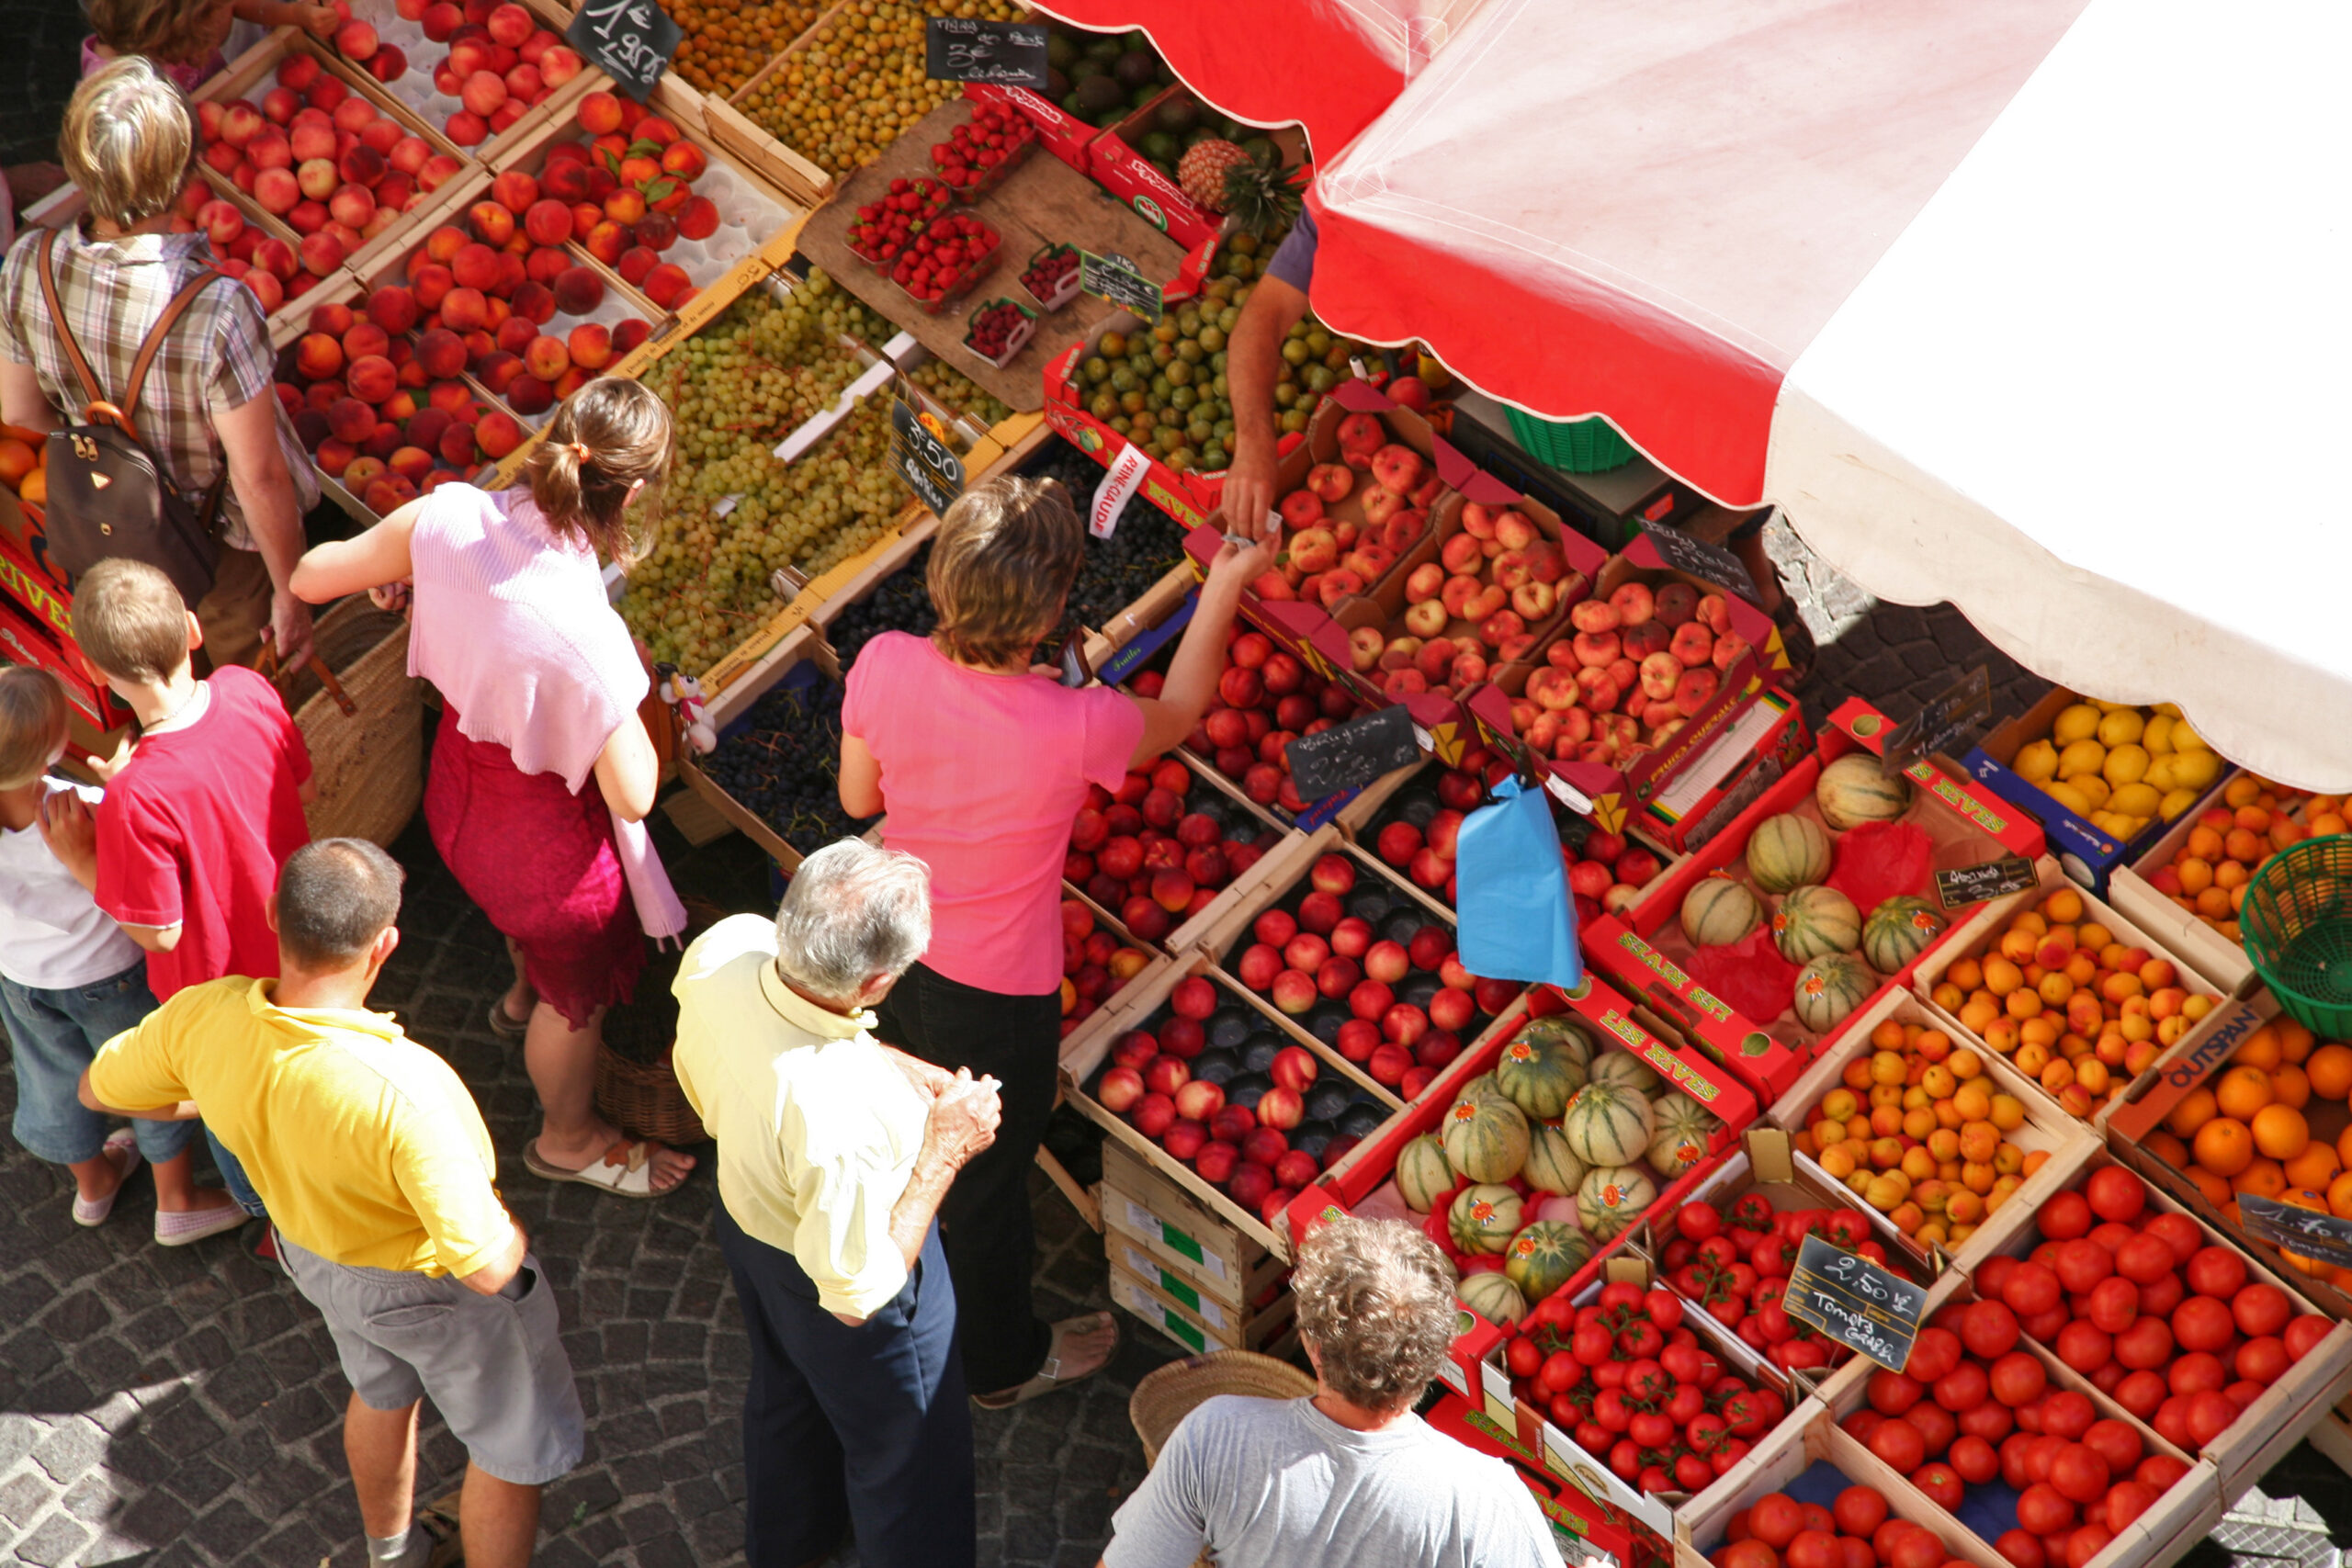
(376, 1169)
(833, 1154)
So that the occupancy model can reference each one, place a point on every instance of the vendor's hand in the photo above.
(963, 1119)
(393, 596)
(289, 627)
(70, 833)
(319, 21)
(1249, 494)
(1237, 566)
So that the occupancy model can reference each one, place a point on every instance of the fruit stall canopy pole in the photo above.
(1332, 65)
(2037, 306)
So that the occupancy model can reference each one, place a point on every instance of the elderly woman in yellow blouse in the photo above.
(833, 1154)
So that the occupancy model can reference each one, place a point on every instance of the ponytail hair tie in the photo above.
(579, 449)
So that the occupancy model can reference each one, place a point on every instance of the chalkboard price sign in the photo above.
(1856, 1301)
(1005, 54)
(2306, 1231)
(1115, 280)
(1964, 704)
(631, 40)
(923, 459)
(1347, 756)
(1710, 563)
(1975, 884)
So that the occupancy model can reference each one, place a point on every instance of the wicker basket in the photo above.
(1572, 445)
(1166, 1396)
(643, 1099)
(366, 740)
(2297, 920)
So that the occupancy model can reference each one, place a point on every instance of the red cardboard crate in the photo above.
(1128, 174)
(1064, 135)
(1585, 1527)
(1645, 948)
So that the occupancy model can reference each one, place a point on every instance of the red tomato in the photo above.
(1665, 1308)
(1900, 1445)
(2160, 1470)
(2201, 1322)
(2018, 1379)
(1942, 1484)
(1993, 1274)
(2044, 1326)
(1698, 1221)
(2117, 1442)
(1775, 1520)
(2040, 1453)
(1561, 1372)
(2262, 1359)
(2158, 1299)
(1974, 1460)
(1991, 1420)
(2031, 1290)
(2144, 1259)
(2178, 1232)
(1817, 1518)
(2029, 1416)
(2114, 1304)
(1988, 1328)
(1917, 1547)
(2022, 1549)
(2141, 1392)
(1935, 1352)
(1751, 1553)
(2111, 1235)
(2079, 1473)
(1862, 1423)
(2065, 1217)
(1964, 1388)
(2068, 1415)
(2210, 1414)
(2261, 1309)
(2126, 1501)
(2043, 1510)
(2196, 1373)
(2242, 1393)
(1859, 1510)
(1813, 1549)
(2081, 1264)
(2108, 1376)
(2216, 1271)
(2012, 1457)
(1856, 1553)
(2115, 1194)
(2145, 1346)
(1936, 1426)
(1566, 1414)
(2083, 1347)
(2304, 1332)
(2171, 1422)
(2086, 1543)
(1892, 1393)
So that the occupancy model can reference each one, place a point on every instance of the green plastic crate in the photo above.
(1572, 445)
(2297, 926)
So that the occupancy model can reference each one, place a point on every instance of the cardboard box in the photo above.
(1063, 134)
(1117, 167)
(1142, 1209)
(2089, 853)
(1644, 949)
(1584, 1528)
(1746, 757)
(2130, 889)
(2046, 1128)
(1609, 792)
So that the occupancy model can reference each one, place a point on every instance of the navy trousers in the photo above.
(867, 1427)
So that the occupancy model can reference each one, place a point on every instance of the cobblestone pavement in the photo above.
(180, 1406)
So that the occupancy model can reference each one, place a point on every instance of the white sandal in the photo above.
(626, 1170)
(88, 1214)
(1050, 1376)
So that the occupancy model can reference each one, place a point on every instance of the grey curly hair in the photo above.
(1375, 1299)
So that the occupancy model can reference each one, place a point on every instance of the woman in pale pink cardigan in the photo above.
(542, 770)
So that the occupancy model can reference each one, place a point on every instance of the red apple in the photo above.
(1120, 1089)
(1154, 1115)
(1166, 1075)
(1295, 1068)
(1192, 997)
(1334, 874)
(1199, 1099)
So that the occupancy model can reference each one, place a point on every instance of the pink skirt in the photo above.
(540, 860)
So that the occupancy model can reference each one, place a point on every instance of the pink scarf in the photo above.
(512, 624)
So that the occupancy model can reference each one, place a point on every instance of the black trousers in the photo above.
(868, 1427)
(992, 1250)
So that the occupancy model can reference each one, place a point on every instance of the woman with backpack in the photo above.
(117, 313)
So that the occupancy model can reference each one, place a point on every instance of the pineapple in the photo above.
(1258, 191)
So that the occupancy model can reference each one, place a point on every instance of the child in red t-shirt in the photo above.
(190, 838)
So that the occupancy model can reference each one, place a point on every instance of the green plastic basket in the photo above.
(2297, 925)
(1573, 445)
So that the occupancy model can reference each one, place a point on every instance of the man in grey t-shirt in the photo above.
(1348, 1478)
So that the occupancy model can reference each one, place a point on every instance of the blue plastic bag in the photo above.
(1511, 892)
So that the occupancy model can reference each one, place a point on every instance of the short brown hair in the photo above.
(131, 621)
(334, 897)
(129, 141)
(1001, 566)
(606, 436)
(32, 723)
(173, 31)
(1375, 1299)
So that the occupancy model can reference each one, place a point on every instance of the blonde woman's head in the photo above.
(129, 141)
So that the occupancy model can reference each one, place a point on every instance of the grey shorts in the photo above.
(493, 1365)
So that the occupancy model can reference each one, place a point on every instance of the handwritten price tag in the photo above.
(1855, 1301)
(934, 473)
(2306, 1231)
(631, 40)
(1005, 54)
(1114, 280)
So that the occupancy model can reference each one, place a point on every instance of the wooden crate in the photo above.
(1140, 1204)
(427, 102)
(795, 650)
(1197, 1321)
(2047, 1128)
(2205, 950)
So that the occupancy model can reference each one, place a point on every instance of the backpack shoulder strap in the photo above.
(91, 391)
(153, 341)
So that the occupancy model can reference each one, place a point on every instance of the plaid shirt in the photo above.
(219, 356)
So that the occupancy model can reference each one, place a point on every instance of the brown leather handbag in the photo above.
(109, 496)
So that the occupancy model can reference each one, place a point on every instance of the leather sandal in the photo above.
(1050, 1375)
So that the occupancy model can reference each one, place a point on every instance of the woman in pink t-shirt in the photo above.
(983, 764)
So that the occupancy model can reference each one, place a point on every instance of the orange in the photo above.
(2216, 1189)
(2196, 1108)
(2295, 1042)
(2261, 1049)
(17, 460)
(2168, 1148)
(34, 491)
(2280, 1131)
(2290, 1086)
(2339, 1196)
(2262, 1177)
(2315, 1166)
(2330, 1070)
(2223, 1147)
(2242, 1091)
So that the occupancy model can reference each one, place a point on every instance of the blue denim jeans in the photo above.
(52, 1036)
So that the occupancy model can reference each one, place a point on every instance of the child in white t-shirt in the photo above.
(70, 981)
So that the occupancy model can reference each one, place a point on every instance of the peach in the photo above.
(498, 434)
(547, 223)
(475, 266)
(534, 302)
(560, 65)
(1659, 672)
(442, 353)
(270, 150)
(353, 116)
(599, 113)
(493, 224)
(514, 190)
(452, 398)
(1435, 657)
(565, 182)
(464, 309)
(512, 274)
(438, 170)
(372, 378)
(1695, 690)
(497, 370)
(275, 257)
(684, 160)
(351, 420)
(456, 445)
(547, 358)
(529, 395)
(668, 286)
(361, 164)
(318, 177)
(636, 172)
(1460, 554)
(388, 493)
(624, 206)
(1487, 601)
(389, 63)
(1500, 627)
(343, 234)
(600, 183)
(357, 39)
(571, 381)
(1533, 601)
(634, 263)
(307, 216)
(221, 223)
(1594, 615)
(308, 142)
(351, 206)
(605, 241)
(239, 123)
(467, 129)
(326, 95)
(332, 456)
(321, 254)
(431, 286)
(225, 157)
(377, 221)
(317, 356)
(321, 396)
(627, 335)
(657, 232)
(545, 264)
(589, 345)
(698, 220)
(482, 93)
(510, 25)
(441, 20)
(411, 463)
(514, 334)
(1692, 643)
(367, 337)
(1728, 649)
(1595, 650)
(523, 85)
